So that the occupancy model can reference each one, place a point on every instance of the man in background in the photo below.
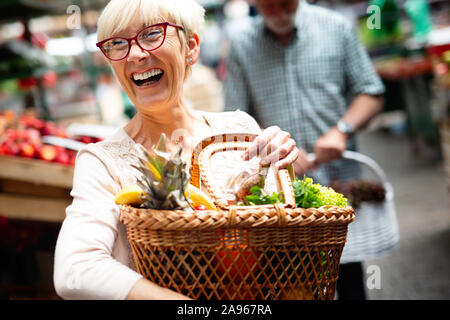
(302, 67)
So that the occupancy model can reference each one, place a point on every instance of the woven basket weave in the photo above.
(239, 252)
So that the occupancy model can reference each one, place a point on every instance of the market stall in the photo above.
(34, 189)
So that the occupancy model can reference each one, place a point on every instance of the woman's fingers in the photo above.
(303, 163)
(260, 142)
(278, 151)
(273, 146)
(289, 159)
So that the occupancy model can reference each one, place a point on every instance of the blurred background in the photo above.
(57, 93)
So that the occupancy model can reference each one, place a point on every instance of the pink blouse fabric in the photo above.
(93, 258)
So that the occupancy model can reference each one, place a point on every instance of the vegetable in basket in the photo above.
(312, 195)
(257, 196)
(307, 195)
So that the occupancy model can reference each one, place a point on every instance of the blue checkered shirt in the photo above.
(306, 87)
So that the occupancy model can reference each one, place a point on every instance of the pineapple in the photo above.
(164, 178)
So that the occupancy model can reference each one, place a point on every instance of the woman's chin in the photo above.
(149, 97)
(152, 103)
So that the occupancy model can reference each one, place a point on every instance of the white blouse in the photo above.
(93, 258)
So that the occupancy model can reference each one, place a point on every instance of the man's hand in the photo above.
(273, 146)
(330, 146)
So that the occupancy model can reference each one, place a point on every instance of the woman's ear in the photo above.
(193, 49)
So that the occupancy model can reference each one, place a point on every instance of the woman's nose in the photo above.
(136, 53)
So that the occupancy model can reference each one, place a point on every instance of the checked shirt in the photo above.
(306, 87)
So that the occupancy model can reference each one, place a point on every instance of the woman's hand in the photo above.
(303, 163)
(330, 146)
(273, 146)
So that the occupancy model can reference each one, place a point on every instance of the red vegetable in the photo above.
(200, 207)
(237, 264)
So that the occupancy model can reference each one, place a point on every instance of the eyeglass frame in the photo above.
(163, 24)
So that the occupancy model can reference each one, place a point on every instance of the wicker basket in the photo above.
(239, 252)
(375, 230)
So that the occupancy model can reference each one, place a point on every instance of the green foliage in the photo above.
(257, 196)
(313, 195)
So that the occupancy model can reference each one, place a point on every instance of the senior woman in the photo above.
(151, 46)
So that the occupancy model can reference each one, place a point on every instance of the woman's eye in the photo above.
(152, 34)
(118, 42)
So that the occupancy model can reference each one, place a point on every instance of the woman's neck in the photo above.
(177, 123)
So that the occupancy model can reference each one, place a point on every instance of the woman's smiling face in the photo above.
(152, 80)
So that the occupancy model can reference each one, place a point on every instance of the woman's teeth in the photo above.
(147, 77)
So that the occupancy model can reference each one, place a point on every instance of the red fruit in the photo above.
(27, 150)
(47, 152)
(32, 136)
(72, 157)
(59, 149)
(85, 139)
(63, 157)
(12, 134)
(49, 129)
(60, 132)
(200, 207)
(11, 148)
(32, 122)
(237, 264)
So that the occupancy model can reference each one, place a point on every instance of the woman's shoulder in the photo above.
(232, 121)
(114, 153)
(118, 144)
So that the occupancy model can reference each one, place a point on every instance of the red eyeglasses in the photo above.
(150, 38)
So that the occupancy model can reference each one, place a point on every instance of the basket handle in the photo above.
(370, 163)
(237, 142)
(195, 169)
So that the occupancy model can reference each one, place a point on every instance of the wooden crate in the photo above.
(34, 189)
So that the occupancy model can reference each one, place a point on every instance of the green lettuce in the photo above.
(257, 196)
(312, 195)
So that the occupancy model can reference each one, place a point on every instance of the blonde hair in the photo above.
(120, 14)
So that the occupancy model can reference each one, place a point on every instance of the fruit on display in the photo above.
(27, 150)
(47, 152)
(21, 136)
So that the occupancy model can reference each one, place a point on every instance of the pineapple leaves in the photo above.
(164, 177)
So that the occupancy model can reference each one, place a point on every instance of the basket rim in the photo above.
(276, 215)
